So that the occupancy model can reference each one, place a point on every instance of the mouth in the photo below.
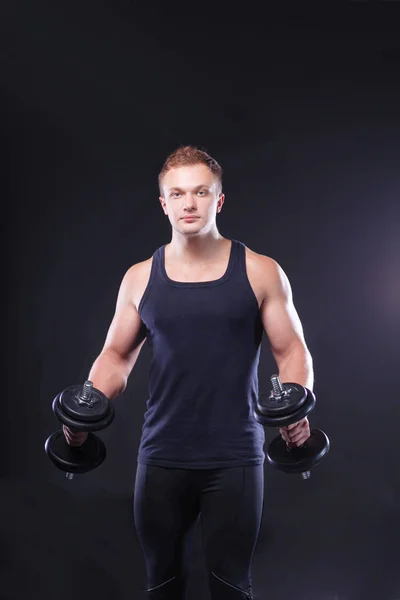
(189, 219)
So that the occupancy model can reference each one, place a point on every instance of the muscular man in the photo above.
(203, 302)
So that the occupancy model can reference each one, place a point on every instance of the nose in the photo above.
(188, 202)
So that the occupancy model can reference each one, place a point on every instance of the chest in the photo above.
(199, 308)
(198, 274)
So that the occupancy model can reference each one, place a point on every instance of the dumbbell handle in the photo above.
(83, 398)
(278, 391)
(305, 474)
(70, 475)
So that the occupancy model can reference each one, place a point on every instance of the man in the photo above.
(202, 302)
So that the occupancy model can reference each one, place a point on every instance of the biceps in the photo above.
(282, 324)
(126, 333)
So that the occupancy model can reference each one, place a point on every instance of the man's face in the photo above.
(191, 199)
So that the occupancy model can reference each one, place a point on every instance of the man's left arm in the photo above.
(284, 330)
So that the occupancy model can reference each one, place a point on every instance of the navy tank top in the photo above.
(205, 340)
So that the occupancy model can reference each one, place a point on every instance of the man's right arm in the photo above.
(125, 338)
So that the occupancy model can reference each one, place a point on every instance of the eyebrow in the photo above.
(197, 187)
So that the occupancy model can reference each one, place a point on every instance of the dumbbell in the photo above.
(288, 403)
(80, 408)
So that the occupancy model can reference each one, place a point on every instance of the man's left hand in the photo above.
(296, 434)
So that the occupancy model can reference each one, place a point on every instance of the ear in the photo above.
(163, 205)
(221, 200)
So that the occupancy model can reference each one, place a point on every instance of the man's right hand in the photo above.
(74, 438)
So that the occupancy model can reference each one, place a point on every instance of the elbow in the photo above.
(296, 349)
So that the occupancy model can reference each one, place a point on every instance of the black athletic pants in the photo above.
(167, 505)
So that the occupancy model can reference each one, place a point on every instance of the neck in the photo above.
(195, 248)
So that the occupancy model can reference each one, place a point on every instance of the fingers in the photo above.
(296, 433)
(284, 435)
(300, 438)
(74, 439)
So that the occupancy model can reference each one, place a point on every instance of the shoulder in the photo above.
(261, 264)
(135, 281)
(266, 271)
(139, 271)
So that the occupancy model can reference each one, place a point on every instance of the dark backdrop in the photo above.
(302, 111)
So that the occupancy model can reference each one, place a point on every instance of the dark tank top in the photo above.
(203, 381)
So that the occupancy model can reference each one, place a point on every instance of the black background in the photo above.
(301, 109)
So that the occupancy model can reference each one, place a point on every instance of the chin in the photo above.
(192, 233)
(189, 228)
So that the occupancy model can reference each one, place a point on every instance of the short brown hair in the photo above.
(190, 155)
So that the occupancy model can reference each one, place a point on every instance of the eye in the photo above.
(175, 194)
(202, 192)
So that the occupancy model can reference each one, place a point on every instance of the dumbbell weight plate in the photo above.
(298, 460)
(75, 459)
(283, 420)
(269, 406)
(69, 403)
(78, 424)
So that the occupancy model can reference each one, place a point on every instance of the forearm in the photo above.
(110, 373)
(296, 366)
